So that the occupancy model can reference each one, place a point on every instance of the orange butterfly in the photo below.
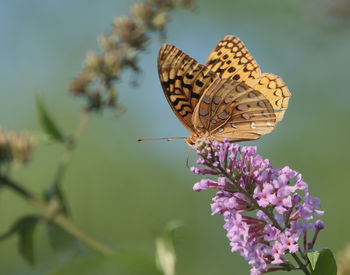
(227, 97)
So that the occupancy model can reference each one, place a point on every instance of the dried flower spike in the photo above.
(130, 35)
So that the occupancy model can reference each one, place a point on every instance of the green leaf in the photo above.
(47, 122)
(121, 263)
(322, 262)
(24, 227)
(64, 244)
(165, 251)
(25, 242)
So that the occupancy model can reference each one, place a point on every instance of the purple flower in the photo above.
(266, 211)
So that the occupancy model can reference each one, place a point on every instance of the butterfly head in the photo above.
(191, 140)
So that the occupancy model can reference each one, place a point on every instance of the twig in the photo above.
(59, 219)
(69, 148)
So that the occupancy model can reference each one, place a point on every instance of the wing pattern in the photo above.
(231, 59)
(276, 91)
(183, 80)
(228, 97)
(233, 110)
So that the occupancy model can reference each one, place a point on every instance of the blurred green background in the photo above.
(124, 192)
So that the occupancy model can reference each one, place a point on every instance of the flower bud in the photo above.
(319, 225)
(15, 146)
(159, 20)
(108, 43)
(79, 84)
(92, 62)
(142, 11)
(112, 62)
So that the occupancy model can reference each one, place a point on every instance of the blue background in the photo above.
(123, 192)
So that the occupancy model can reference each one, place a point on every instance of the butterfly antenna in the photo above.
(167, 139)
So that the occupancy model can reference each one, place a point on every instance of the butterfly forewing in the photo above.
(183, 80)
(233, 110)
(231, 59)
(276, 91)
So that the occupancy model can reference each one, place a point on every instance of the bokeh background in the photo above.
(124, 192)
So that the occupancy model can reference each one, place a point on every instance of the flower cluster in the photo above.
(14, 146)
(267, 211)
(119, 51)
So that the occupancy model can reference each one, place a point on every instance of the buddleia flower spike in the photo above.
(268, 212)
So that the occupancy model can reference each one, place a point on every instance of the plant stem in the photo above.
(68, 226)
(69, 148)
(302, 266)
(59, 219)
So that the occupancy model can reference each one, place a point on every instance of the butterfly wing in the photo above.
(233, 110)
(276, 91)
(231, 59)
(183, 80)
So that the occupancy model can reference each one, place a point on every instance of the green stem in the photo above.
(69, 148)
(69, 227)
(59, 219)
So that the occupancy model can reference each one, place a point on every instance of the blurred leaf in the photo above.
(165, 251)
(24, 227)
(322, 262)
(62, 243)
(123, 263)
(47, 122)
(42, 137)
(25, 242)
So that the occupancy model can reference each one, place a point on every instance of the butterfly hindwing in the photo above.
(276, 91)
(233, 110)
(183, 80)
(231, 59)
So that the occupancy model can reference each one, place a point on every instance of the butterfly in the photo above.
(227, 97)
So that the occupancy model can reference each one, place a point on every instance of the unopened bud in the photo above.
(92, 61)
(159, 20)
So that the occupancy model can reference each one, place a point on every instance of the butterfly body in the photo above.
(228, 97)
